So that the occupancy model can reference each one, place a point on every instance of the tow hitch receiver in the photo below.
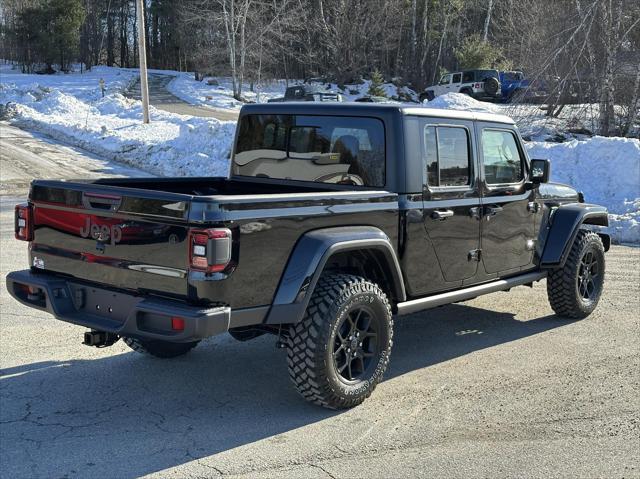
(99, 339)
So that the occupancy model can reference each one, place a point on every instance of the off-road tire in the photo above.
(159, 349)
(563, 284)
(310, 345)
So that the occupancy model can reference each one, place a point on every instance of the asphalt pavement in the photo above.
(162, 99)
(494, 387)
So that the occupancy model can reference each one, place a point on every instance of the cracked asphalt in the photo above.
(494, 387)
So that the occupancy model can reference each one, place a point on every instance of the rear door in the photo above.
(122, 237)
(451, 198)
(508, 238)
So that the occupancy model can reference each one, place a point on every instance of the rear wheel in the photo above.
(159, 349)
(340, 350)
(574, 290)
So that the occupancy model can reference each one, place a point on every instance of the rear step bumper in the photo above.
(116, 312)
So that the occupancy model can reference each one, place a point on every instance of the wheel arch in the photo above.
(563, 227)
(362, 250)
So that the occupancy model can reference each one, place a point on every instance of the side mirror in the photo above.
(540, 171)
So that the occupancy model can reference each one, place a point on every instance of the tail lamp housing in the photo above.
(24, 222)
(210, 249)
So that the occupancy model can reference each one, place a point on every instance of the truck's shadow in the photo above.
(125, 415)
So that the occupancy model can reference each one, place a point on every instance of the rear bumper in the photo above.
(115, 311)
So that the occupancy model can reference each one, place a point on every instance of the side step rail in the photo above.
(429, 302)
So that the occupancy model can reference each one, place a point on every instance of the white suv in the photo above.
(479, 84)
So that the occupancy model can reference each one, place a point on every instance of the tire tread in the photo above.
(309, 337)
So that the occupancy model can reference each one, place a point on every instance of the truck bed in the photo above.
(133, 234)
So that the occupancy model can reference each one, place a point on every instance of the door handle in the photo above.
(442, 214)
(475, 212)
(490, 211)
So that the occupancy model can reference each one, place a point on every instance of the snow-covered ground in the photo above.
(84, 86)
(218, 92)
(70, 107)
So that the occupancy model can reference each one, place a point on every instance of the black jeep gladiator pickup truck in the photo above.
(335, 218)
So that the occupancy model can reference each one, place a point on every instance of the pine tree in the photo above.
(375, 87)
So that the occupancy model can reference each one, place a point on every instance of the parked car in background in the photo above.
(307, 93)
(479, 84)
(516, 88)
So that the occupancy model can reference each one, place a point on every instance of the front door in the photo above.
(508, 237)
(451, 200)
(443, 85)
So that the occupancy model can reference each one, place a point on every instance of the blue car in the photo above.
(517, 88)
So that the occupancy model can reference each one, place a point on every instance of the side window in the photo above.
(431, 155)
(447, 157)
(467, 77)
(445, 79)
(457, 77)
(501, 158)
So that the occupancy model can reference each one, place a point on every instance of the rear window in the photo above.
(481, 75)
(324, 149)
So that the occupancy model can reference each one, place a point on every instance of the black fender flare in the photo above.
(309, 257)
(564, 224)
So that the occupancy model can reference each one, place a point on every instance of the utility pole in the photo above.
(142, 51)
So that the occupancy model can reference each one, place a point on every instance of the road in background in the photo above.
(25, 156)
(162, 99)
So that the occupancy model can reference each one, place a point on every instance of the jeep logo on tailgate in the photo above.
(102, 233)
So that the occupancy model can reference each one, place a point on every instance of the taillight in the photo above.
(477, 85)
(210, 249)
(24, 222)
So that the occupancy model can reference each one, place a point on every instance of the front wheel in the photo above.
(340, 350)
(575, 289)
(159, 349)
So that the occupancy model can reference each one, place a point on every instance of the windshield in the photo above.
(325, 149)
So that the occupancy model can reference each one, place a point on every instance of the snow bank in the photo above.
(218, 92)
(84, 86)
(171, 145)
(458, 101)
(606, 170)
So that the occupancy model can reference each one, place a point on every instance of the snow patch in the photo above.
(171, 145)
(458, 101)
(606, 170)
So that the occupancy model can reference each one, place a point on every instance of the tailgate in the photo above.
(123, 237)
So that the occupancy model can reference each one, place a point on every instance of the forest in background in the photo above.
(588, 45)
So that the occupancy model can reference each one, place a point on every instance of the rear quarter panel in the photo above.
(269, 226)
